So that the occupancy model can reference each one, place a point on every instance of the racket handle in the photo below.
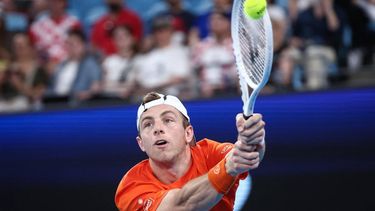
(246, 117)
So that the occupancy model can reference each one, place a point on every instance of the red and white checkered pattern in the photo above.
(49, 35)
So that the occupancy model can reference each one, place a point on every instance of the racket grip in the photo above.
(246, 117)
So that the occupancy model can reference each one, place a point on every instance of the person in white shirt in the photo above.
(213, 58)
(79, 76)
(119, 68)
(166, 68)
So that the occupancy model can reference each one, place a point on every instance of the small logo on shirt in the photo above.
(147, 204)
(217, 169)
(226, 148)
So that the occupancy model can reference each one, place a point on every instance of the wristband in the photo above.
(219, 178)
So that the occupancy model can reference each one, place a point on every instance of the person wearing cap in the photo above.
(166, 68)
(182, 174)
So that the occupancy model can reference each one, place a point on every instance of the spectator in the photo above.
(203, 21)
(4, 63)
(182, 20)
(296, 7)
(118, 15)
(13, 20)
(313, 34)
(119, 67)
(4, 54)
(361, 17)
(284, 58)
(166, 68)
(79, 76)
(49, 33)
(11, 100)
(213, 57)
(33, 77)
(39, 8)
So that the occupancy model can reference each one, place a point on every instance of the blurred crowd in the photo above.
(48, 54)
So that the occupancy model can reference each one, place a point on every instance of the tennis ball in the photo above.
(254, 9)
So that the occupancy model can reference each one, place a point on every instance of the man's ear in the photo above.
(140, 143)
(189, 134)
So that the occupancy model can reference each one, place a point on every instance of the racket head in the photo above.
(253, 50)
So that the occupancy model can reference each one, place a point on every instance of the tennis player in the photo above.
(182, 174)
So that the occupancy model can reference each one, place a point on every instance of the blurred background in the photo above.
(72, 73)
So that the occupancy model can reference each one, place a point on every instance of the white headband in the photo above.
(164, 99)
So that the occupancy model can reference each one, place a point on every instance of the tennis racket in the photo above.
(253, 51)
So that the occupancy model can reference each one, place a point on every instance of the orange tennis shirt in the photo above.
(139, 189)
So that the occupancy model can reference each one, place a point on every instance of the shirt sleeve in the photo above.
(217, 151)
(137, 195)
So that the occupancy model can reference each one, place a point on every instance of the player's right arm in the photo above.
(197, 194)
(200, 193)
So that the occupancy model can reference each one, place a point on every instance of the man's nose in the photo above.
(158, 129)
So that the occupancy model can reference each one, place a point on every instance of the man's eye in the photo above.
(148, 124)
(169, 120)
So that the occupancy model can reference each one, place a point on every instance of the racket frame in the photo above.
(245, 82)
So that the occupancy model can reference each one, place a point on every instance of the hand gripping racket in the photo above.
(253, 51)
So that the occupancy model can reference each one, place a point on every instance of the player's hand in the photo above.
(251, 131)
(249, 147)
(241, 159)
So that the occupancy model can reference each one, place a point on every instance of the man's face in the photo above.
(57, 6)
(21, 45)
(75, 47)
(219, 24)
(163, 36)
(123, 38)
(162, 135)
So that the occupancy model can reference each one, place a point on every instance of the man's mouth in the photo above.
(160, 142)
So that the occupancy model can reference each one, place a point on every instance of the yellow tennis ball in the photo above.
(254, 9)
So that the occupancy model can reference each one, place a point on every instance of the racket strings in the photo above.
(254, 60)
(254, 64)
(252, 42)
(253, 51)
